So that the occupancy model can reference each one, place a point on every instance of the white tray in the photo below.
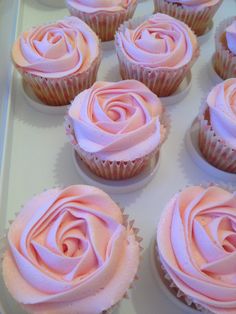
(37, 154)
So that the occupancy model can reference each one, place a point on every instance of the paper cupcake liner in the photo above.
(213, 148)
(224, 61)
(162, 82)
(60, 91)
(103, 23)
(197, 20)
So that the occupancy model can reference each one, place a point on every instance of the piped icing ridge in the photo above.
(195, 4)
(221, 102)
(196, 239)
(69, 250)
(231, 37)
(117, 120)
(161, 42)
(55, 50)
(93, 6)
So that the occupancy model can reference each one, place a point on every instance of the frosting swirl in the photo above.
(222, 107)
(69, 250)
(197, 244)
(117, 121)
(92, 6)
(56, 50)
(161, 42)
(195, 4)
(231, 37)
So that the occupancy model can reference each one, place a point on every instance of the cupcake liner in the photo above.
(213, 148)
(198, 20)
(163, 82)
(103, 23)
(224, 61)
(60, 91)
(109, 169)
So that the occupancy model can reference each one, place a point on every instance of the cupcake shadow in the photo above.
(204, 81)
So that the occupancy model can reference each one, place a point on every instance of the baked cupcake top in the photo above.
(161, 42)
(56, 50)
(196, 239)
(92, 6)
(117, 120)
(195, 4)
(221, 103)
(69, 249)
(231, 37)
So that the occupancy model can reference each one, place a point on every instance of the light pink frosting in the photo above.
(195, 4)
(161, 42)
(222, 107)
(231, 37)
(197, 244)
(59, 49)
(117, 121)
(92, 6)
(69, 251)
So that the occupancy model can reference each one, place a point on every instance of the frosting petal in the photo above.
(231, 37)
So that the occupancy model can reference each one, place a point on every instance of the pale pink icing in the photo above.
(195, 4)
(231, 37)
(117, 121)
(59, 49)
(222, 107)
(69, 251)
(196, 239)
(161, 42)
(92, 6)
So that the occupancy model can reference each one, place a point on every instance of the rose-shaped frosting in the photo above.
(231, 37)
(92, 6)
(59, 49)
(195, 4)
(197, 245)
(117, 121)
(69, 252)
(222, 107)
(161, 42)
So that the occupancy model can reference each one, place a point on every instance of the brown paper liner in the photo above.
(160, 81)
(104, 24)
(224, 61)
(198, 21)
(213, 148)
(61, 91)
(114, 170)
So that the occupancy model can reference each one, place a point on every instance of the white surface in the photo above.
(216, 79)
(38, 156)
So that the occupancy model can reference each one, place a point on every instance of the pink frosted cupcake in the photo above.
(104, 17)
(116, 128)
(58, 60)
(217, 120)
(158, 52)
(70, 251)
(196, 247)
(224, 60)
(197, 14)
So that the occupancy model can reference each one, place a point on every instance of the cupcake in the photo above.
(196, 247)
(217, 122)
(104, 17)
(197, 14)
(116, 128)
(58, 60)
(224, 59)
(158, 52)
(69, 252)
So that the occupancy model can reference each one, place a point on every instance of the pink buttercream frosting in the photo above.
(222, 107)
(117, 121)
(231, 37)
(69, 252)
(161, 42)
(195, 4)
(196, 239)
(92, 6)
(56, 50)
